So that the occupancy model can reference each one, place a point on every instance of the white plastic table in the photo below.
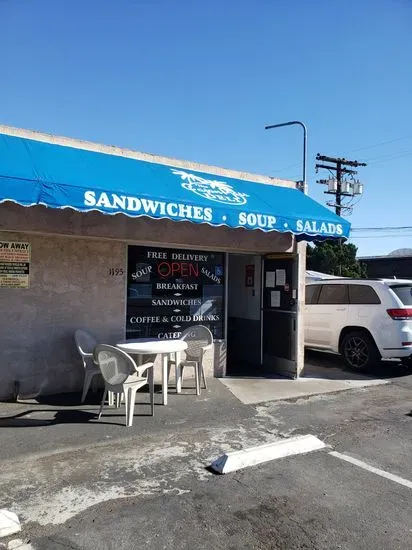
(153, 346)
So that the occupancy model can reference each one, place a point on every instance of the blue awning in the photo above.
(38, 173)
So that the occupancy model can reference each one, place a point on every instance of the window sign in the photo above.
(14, 264)
(169, 290)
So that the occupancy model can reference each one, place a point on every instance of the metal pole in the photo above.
(301, 257)
(338, 208)
(305, 134)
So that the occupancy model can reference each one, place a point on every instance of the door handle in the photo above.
(341, 309)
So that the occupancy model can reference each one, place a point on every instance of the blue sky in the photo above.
(199, 80)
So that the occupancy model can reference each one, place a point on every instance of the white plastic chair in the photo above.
(199, 339)
(86, 344)
(122, 376)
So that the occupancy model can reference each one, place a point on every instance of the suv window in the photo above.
(404, 293)
(312, 293)
(333, 294)
(363, 294)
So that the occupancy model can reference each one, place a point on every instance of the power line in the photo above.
(383, 228)
(380, 236)
(392, 157)
(380, 144)
(388, 232)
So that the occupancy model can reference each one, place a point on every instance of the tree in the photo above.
(335, 258)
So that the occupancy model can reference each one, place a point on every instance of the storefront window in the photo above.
(169, 290)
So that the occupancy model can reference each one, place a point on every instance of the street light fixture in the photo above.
(305, 132)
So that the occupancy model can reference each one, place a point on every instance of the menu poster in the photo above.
(14, 264)
(169, 290)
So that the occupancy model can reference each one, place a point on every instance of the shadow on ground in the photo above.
(24, 420)
(327, 366)
(74, 399)
(67, 411)
(332, 367)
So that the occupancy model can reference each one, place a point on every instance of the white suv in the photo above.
(364, 320)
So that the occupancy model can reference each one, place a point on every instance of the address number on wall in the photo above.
(116, 271)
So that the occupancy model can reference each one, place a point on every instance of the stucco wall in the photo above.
(70, 287)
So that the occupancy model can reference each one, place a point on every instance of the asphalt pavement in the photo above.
(305, 502)
(153, 490)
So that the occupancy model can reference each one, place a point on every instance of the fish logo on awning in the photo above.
(213, 190)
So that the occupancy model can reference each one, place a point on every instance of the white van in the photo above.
(362, 319)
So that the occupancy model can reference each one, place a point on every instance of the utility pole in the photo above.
(339, 186)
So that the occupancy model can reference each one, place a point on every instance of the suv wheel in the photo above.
(359, 350)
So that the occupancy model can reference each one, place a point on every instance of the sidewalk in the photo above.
(324, 373)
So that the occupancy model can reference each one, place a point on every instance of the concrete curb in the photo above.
(231, 462)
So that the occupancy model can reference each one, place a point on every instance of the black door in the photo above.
(279, 298)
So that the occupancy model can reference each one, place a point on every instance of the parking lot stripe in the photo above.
(372, 469)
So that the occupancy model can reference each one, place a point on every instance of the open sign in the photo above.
(178, 269)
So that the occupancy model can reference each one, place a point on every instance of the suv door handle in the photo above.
(341, 309)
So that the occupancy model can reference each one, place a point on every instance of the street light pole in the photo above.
(300, 261)
(305, 133)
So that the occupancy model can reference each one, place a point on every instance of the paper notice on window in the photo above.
(270, 279)
(280, 277)
(14, 264)
(275, 298)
